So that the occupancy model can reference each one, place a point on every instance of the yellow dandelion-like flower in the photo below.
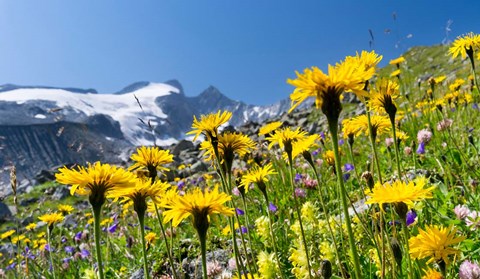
(65, 209)
(270, 127)
(457, 84)
(96, 180)
(258, 175)
(467, 42)
(432, 274)
(151, 159)
(228, 145)
(439, 79)
(51, 218)
(209, 124)
(380, 124)
(399, 191)
(329, 157)
(106, 221)
(402, 136)
(285, 137)
(347, 76)
(303, 145)
(31, 226)
(197, 203)
(138, 195)
(435, 243)
(150, 238)
(395, 73)
(397, 61)
(368, 59)
(382, 95)
(7, 234)
(350, 129)
(18, 238)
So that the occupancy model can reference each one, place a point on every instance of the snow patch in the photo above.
(40, 116)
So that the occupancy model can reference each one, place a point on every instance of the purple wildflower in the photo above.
(180, 185)
(298, 178)
(411, 216)
(78, 236)
(469, 270)
(346, 176)
(48, 248)
(300, 193)
(348, 167)
(239, 211)
(112, 228)
(421, 148)
(84, 253)
(69, 249)
(272, 207)
(341, 142)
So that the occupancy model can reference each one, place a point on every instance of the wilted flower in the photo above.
(444, 124)
(300, 193)
(407, 150)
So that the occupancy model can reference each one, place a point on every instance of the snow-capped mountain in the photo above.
(42, 127)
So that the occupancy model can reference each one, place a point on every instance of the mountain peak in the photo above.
(175, 83)
(133, 87)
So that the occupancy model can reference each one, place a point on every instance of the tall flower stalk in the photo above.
(96, 181)
(51, 219)
(348, 76)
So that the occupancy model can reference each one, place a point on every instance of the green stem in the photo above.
(333, 127)
(203, 245)
(374, 148)
(247, 223)
(407, 248)
(297, 208)
(272, 235)
(97, 210)
(327, 216)
(50, 252)
(169, 254)
(141, 221)
(397, 152)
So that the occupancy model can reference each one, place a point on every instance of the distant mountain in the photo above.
(42, 127)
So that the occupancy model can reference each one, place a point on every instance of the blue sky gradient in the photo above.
(245, 48)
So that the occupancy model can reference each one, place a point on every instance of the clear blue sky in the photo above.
(245, 48)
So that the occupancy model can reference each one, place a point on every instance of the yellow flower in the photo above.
(51, 218)
(270, 127)
(228, 144)
(382, 95)
(95, 181)
(263, 229)
(138, 195)
(435, 242)
(456, 84)
(267, 265)
(31, 226)
(151, 237)
(399, 191)
(257, 175)
(350, 129)
(106, 221)
(397, 61)
(197, 203)
(380, 124)
(439, 79)
(285, 137)
(151, 159)
(467, 42)
(395, 73)
(303, 145)
(432, 274)
(7, 234)
(18, 238)
(347, 76)
(65, 208)
(329, 157)
(209, 124)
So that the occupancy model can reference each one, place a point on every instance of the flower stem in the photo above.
(169, 254)
(50, 252)
(202, 236)
(247, 223)
(333, 127)
(297, 208)
(407, 248)
(96, 217)
(141, 221)
(272, 235)
(397, 152)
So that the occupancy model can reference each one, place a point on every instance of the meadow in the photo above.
(389, 189)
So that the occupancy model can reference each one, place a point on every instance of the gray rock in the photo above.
(198, 166)
(182, 146)
(61, 192)
(5, 213)
(137, 274)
